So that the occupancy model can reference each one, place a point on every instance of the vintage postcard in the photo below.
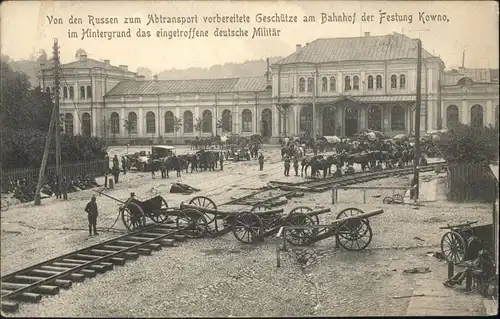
(249, 158)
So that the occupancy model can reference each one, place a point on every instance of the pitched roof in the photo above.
(221, 85)
(476, 75)
(90, 63)
(369, 48)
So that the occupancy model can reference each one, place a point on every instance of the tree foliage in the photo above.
(24, 122)
(177, 124)
(465, 143)
(198, 126)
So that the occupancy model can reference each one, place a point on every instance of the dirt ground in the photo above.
(222, 277)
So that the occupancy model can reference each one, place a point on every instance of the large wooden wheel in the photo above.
(193, 223)
(133, 216)
(453, 247)
(304, 210)
(204, 202)
(299, 237)
(248, 228)
(160, 215)
(354, 234)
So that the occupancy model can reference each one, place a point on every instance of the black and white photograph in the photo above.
(249, 158)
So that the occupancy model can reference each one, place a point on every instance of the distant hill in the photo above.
(244, 69)
(227, 70)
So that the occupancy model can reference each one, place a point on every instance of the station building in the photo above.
(354, 83)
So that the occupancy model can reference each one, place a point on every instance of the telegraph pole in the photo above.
(56, 105)
(417, 118)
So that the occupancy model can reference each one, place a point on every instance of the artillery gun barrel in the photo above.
(114, 198)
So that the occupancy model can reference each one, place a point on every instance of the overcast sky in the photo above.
(472, 26)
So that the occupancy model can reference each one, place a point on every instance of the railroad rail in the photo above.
(29, 285)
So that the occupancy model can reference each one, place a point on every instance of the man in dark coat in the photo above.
(261, 161)
(92, 213)
(296, 165)
(221, 161)
(287, 166)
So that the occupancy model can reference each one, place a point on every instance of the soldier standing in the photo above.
(91, 210)
(287, 166)
(116, 161)
(116, 172)
(296, 166)
(261, 161)
(64, 187)
(221, 160)
(124, 165)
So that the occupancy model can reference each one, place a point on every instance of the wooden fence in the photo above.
(471, 182)
(75, 169)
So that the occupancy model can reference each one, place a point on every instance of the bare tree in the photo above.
(198, 126)
(177, 127)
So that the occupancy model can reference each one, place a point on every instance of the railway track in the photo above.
(31, 284)
(279, 190)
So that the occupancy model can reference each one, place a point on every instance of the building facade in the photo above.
(332, 86)
(202, 108)
(356, 83)
(470, 96)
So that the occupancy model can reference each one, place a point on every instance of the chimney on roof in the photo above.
(140, 77)
(155, 78)
(106, 62)
(298, 47)
(367, 34)
(124, 67)
(83, 57)
(307, 43)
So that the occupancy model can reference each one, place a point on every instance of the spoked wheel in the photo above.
(305, 210)
(354, 234)
(160, 215)
(248, 228)
(193, 221)
(299, 237)
(133, 216)
(388, 200)
(351, 211)
(398, 199)
(453, 247)
(204, 202)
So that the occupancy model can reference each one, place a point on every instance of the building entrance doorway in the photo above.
(328, 122)
(351, 121)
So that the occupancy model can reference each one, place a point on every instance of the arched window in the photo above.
(115, 123)
(347, 83)
(465, 81)
(355, 82)
(82, 92)
(370, 82)
(306, 119)
(65, 92)
(207, 121)
(86, 124)
(302, 85)
(397, 118)
(267, 123)
(333, 84)
(379, 81)
(402, 81)
(324, 84)
(310, 84)
(131, 124)
(246, 117)
(71, 92)
(169, 122)
(374, 118)
(188, 122)
(150, 123)
(394, 81)
(68, 123)
(476, 116)
(452, 116)
(227, 121)
(89, 92)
